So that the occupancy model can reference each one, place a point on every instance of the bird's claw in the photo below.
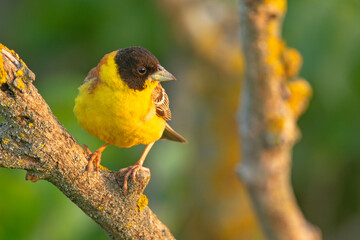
(94, 160)
(131, 170)
(87, 149)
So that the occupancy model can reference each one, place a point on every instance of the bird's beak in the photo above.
(162, 75)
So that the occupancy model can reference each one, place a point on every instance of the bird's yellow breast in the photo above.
(115, 113)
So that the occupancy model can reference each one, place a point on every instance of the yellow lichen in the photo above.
(100, 207)
(142, 202)
(275, 48)
(22, 135)
(103, 168)
(7, 49)
(301, 92)
(19, 73)
(4, 102)
(5, 140)
(3, 73)
(279, 4)
(276, 124)
(31, 125)
(13, 53)
(292, 61)
(129, 225)
(19, 84)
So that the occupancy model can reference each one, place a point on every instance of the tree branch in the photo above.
(31, 138)
(272, 99)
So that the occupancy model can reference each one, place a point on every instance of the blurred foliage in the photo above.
(327, 160)
(62, 40)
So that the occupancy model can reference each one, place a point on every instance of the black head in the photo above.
(135, 65)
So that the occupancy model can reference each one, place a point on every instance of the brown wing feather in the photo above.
(93, 75)
(161, 101)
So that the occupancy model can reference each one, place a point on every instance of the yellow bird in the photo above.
(123, 103)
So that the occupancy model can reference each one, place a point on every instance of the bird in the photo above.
(122, 102)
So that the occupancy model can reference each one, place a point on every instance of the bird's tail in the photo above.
(172, 135)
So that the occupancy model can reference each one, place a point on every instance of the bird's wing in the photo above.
(93, 77)
(161, 101)
(93, 73)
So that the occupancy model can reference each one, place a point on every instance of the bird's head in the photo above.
(139, 67)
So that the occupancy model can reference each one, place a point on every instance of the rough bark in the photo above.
(31, 138)
(272, 99)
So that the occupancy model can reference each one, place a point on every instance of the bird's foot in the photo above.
(131, 170)
(94, 160)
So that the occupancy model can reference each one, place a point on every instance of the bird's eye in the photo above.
(141, 70)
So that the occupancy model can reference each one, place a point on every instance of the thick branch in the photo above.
(271, 104)
(31, 138)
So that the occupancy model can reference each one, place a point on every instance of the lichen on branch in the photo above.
(273, 97)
